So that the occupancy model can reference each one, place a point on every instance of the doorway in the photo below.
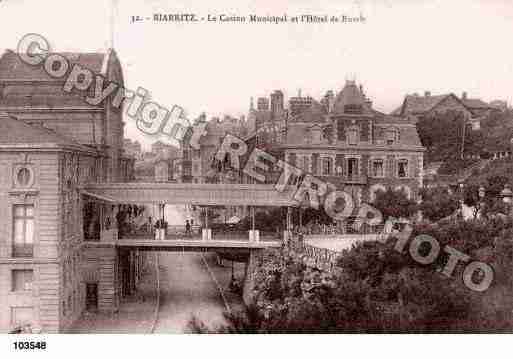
(91, 297)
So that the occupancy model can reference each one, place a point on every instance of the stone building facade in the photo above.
(344, 141)
(51, 144)
(358, 149)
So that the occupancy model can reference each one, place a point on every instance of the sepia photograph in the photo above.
(243, 167)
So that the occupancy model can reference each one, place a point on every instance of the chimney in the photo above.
(427, 93)
(464, 96)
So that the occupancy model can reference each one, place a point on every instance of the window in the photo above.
(390, 137)
(377, 168)
(352, 167)
(22, 279)
(24, 177)
(305, 164)
(23, 222)
(353, 108)
(64, 274)
(402, 168)
(352, 136)
(326, 166)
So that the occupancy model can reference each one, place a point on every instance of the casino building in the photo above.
(342, 140)
(52, 142)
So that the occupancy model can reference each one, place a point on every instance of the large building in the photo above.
(51, 143)
(344, 141)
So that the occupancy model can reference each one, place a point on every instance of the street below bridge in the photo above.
(190, 286)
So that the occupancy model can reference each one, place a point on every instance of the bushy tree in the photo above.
(394, 204)
(442, 135)
(264, 220)
(438, 203)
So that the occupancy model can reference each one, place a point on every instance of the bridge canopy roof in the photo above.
(192, 193)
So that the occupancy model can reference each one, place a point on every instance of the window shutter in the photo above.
(391, 167)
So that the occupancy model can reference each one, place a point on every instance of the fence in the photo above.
(325, 258)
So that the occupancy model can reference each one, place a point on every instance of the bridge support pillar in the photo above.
(249, 280)
(206, 234)
(289, 219)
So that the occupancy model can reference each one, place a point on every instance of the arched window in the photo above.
(24, 177)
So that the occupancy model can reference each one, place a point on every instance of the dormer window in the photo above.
(316, 135)
(391, 137)
(353, 109)
(353, 136)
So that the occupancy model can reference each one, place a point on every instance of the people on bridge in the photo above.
(187, 228)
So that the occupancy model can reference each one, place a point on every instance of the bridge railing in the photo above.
(245, 235)
(196, 233)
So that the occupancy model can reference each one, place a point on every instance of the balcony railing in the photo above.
(23, 250)
(355, 179)
(346, 179)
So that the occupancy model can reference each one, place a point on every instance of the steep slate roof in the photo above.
(314, 114)
(13, 68)
(45, 95)
(351, 95)
(475, 103)
(17, 132)
(408, 130)
(414, 104)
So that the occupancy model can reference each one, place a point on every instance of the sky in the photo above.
(403, 47)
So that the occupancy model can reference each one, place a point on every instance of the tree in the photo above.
(442, 135)
(438, 203)
(471, 198)
(264, 220)
(394, 204)
(491, 203)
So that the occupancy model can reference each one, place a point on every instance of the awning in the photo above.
(99, 197)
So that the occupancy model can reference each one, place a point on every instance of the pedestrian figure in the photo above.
(187, 228)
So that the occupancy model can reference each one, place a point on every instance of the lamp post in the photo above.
(481, 195)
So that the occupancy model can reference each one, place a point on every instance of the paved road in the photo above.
(187, 290)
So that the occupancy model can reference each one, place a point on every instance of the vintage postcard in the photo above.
(243, 167)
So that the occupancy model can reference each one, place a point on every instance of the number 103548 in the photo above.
(29, 345)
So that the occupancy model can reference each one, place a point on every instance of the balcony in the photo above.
(23, 250)
(355, 179)
(344, 180)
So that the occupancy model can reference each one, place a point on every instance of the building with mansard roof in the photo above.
(344, 141)
(52, 143)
